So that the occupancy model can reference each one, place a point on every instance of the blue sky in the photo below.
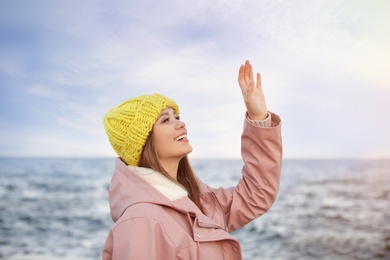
(324, 64)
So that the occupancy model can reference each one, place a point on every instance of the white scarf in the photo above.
(172, 190)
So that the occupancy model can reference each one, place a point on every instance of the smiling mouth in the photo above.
(181, 137)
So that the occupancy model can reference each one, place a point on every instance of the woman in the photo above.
(160, 208)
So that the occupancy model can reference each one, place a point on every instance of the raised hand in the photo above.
(252, 92)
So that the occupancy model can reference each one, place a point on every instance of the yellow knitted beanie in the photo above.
(128, 125)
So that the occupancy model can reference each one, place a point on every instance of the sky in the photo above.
(324, 65)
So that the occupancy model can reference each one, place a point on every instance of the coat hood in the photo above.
(131, 185)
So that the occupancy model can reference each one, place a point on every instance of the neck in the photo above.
(171, 167)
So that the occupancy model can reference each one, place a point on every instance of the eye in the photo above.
(177, 117)
(165, 120)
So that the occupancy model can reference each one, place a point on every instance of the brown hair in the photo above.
(185, 175)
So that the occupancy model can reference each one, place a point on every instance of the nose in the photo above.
(180, 124)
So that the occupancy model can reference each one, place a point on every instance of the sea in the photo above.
(57, 208)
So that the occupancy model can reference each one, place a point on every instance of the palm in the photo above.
(252, 92)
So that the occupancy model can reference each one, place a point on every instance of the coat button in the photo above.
(199, 235)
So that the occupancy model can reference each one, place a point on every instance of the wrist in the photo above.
(262, 123)
(258, 117)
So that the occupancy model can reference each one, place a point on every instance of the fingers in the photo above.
(241, 76)
(251, 86)
(241, 73)
(258, 81)
(245, 77)
(248, 72)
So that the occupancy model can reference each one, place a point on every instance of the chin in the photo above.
(188, 151)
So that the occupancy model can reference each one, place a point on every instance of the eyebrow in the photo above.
(163, 114)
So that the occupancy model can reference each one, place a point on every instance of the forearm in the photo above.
(256, 191)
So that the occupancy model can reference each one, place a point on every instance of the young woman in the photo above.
(160, 208)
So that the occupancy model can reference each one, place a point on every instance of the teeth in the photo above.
(181, 137)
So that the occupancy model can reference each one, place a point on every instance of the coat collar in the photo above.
(170, 189)
(133, 185)
(128, 187)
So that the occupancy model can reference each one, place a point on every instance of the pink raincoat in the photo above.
(151, 225)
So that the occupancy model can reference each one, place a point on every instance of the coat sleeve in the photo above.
(138, 238)
(261, 150)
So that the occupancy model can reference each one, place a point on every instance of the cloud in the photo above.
(9, 66)
(85, 118)
(40, 90)
(323, 64)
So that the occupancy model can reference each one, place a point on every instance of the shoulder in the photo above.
(148, 211)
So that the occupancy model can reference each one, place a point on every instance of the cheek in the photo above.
(160, 143)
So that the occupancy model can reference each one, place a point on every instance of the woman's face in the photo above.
(170, 137)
